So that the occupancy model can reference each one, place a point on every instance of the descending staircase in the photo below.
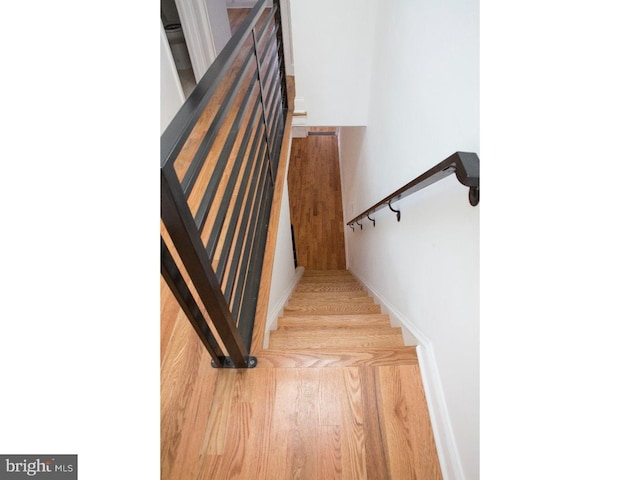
(331, 313)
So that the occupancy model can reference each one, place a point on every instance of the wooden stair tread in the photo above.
(328, 296)
(335, 338)
(327, 300)
(337, 319)
(328, 278)
(340, 329)
(325, 273)
(336, 357)
(329, 287)
(328, 309)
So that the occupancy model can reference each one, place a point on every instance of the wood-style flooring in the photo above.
(236, 16)
(315, 199)
(336, 396)
(348, 409)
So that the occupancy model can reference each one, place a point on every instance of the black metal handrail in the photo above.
(465, 165)
(219, 159)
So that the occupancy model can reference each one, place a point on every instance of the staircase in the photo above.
(330, 312)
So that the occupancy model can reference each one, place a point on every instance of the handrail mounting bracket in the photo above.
(474, 196)
(397, 212)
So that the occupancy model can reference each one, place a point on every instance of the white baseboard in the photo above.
(448, 455)
(277, 309)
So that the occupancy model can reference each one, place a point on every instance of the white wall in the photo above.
(219, 22)
(205, 24)
(332, 42)
(283, 277)
(171, 94)
(424, 103)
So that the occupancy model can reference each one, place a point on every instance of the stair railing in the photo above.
(219, 158)
(465, 165)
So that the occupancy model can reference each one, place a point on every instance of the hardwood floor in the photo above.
(236, 16)
(336, 396)
(316, 201)
(348, 411)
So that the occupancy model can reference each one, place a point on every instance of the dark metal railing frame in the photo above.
(231, 311)
(465, 165)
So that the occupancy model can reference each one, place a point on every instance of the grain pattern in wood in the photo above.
(287, 423)
(404, 419)
(333, 320)
(323, 296)
(354, 453)
(337, 309)
(351, 413)
(332, 357)
(328, 299)
(236, 16)
(329, 287)
(316, 202)
(360, 337)
(377, 462)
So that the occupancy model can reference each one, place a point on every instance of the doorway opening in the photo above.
(179, 51)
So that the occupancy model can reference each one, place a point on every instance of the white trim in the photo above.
(171, 91)
(287, 42)
(448, 455)
(197, 34)
(277, 309)
(299, 114)
(343, 188)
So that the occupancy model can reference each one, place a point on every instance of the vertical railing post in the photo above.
(232, 312)
(182, 229)
(181, 292)
(263, 107)
(283, 73)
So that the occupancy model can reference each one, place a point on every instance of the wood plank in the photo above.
(336, 358)
(329, 320)
(236, 16)
(355, 295)
(310, 272)
(404, 420)
(353, 445)
(336, 337)
(328, 299)
(329, 287)
(376, 452)
(303, 463)
(246, 443)
(330, 444)
(329, 309)
(316, 202)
